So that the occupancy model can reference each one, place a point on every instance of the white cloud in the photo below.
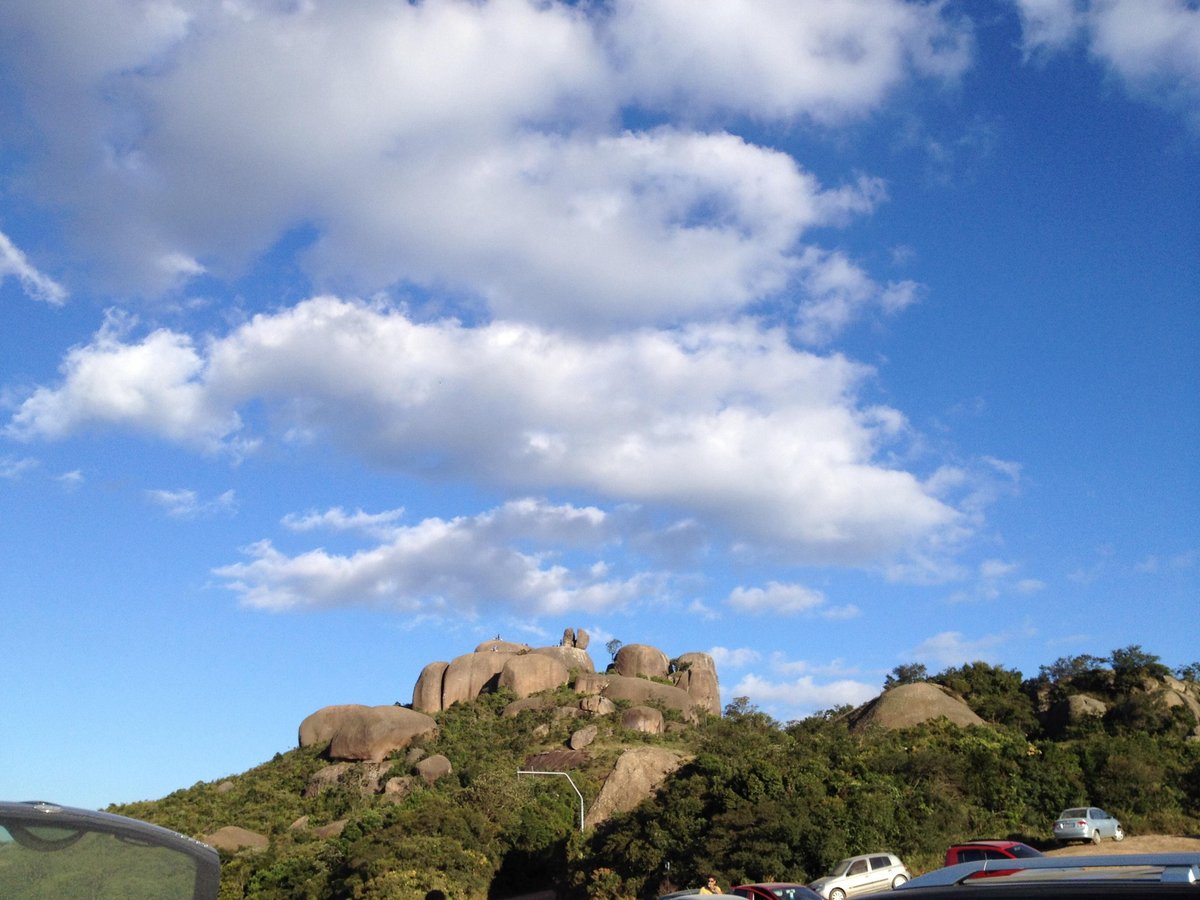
(1154, 45)
(950, 648)
(781, 59)
(184, 503)
(447, 566)
(726, 424)
(189, 137)
(38, 286)
(787, 599)
(13, 467)
(734, 657)
(803, 696)
(337, 519)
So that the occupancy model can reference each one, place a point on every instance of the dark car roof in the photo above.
(801, 890)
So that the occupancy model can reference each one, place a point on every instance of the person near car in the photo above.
(711, 886)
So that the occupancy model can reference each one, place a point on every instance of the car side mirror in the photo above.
(57, 851)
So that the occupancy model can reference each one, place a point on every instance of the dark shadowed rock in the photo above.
(637, 774)
(472, 674)
(646, 719)
(640, 692)
(532, 673)
(232, 838)
(365, 732)
(556, 760)
(911, 704)
(634, 660)
(434, 767)
(696, 673)
(427, 695)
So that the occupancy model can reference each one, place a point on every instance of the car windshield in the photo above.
(840, 868)
(1074, 814)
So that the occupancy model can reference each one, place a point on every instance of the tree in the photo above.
(612, 647)
(909, 673)
(1132, 665)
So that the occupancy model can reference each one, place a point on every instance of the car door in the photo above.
(880, 873)
(1104, 823)
(858, 877)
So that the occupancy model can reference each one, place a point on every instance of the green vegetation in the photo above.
(756, 800)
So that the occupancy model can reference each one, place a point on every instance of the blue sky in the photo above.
(820, 336)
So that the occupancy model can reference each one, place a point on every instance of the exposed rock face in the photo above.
(636, 775)
(532, 673)
(231, 838)
(911, 704)
(597, 706)
(498, 646)
(364, 777)
(396, 789)
(434, 767)
(571, 657)
(529, 703)
(590, 683)
(696, 673)
(582, 638)
(365, 732)
(333, 829)
(646, 719)
(427, 695)
(583, 737)
(641, 660)
(471, 674)
(557, 760)
(639, 691)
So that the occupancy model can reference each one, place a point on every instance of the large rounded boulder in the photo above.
(573, 658)
(473, 674)
(532, 673)
(427, 694)
(911, 704)
(365, 733)
(641, 660)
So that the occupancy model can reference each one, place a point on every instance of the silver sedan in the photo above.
(1087, 823)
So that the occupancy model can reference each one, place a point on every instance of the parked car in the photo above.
(1087, 823)
(864, 874)
(973, 851)
(775, 890)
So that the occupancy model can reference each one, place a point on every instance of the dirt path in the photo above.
(1139, 843)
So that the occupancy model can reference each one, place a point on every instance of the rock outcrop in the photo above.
(532, 673)
(641, 660)
(434, 767)
(356, 732)
(233, 838)
(910, 704)
(645, 719)
(696, 673)
(641, 692)
(427, 695)
(637, 774)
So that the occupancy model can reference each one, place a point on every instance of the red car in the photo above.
(775, 890)
(973, 851)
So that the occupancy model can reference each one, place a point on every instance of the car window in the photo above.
(840, 868)
(1073, 814)
(1023, 851)
(858, 867)
(970, 854)
(880, 862)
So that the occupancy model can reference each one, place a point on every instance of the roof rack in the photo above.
(1173, 868)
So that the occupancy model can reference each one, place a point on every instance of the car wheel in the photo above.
(1096, 836)
(897, 881)
(1119, 834)
(837, 894)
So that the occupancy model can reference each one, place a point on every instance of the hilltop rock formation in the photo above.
(910, 704)
(641, 692)
(645, 719)
(356, 732)
(696, 673)
(532, 673)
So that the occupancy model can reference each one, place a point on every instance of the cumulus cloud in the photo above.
(727, 424)
(448, 566)
(787, 599)
(38, 286)
(952, 648)
(1153, 45)
(13, 467)
(504, 181)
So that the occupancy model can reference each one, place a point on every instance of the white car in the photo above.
(864, 874)
(1087, 823)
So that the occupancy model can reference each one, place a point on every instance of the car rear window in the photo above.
(880, 862)
(1074, 814)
